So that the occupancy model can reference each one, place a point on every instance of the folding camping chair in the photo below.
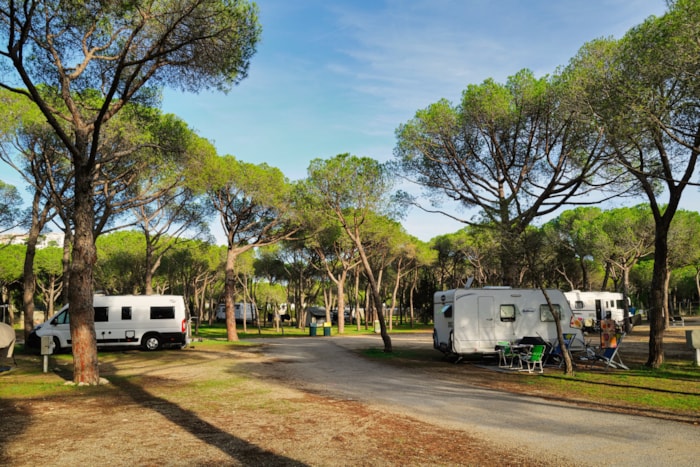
(610, 355)
(506, 356)
(557, 354)
(533, 358)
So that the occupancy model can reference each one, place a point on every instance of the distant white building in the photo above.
(45, 240)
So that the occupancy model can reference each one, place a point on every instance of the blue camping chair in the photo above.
(556, 356)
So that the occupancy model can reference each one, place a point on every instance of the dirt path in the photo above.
(327, 368)
(313, 401)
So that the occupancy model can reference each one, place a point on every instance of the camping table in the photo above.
(515, 351)
(520, 349)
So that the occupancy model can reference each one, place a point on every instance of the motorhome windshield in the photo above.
(61, 318)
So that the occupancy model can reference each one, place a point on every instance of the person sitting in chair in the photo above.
(608, 332)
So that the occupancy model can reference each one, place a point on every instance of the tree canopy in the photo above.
(515, 151)
(80, 63)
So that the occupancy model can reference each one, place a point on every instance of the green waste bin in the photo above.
(312, 329)
(326, 329)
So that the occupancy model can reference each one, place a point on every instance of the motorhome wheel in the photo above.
(151, 342)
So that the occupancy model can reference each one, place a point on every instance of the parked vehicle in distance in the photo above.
(348, 316)
(474, 321)
(591, 307)
(251, 312)
(149, 321)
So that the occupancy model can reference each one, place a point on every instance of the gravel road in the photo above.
(582, 436)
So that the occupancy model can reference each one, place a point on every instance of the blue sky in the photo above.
(331, 77)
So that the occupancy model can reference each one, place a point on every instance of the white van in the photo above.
(149, 321)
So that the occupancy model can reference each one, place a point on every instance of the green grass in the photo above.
(674, 388)
(217, 331)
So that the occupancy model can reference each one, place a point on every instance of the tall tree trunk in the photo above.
(67, 252)
(148, 279)
(606, 277)
(29, 279)
(358, 318)
(585, 279)
(414, 284)
(80, 293)
(659, 298)
(394, 293)
(625, 300)
(230, 288)
(341, 300)
(376, 297)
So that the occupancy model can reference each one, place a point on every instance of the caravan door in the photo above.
(487, 323)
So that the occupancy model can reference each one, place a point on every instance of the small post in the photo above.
(692, 340)
(47, 347)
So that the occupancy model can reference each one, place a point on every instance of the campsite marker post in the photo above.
(692, 339)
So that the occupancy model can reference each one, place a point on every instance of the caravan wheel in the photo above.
(151, 342)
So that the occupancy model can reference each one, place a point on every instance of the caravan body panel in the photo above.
(473, 321)
(240, 310)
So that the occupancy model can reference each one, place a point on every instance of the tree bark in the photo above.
(29, 279)
(230, 288)
(659, 298)
(80, 292)
(374, 288)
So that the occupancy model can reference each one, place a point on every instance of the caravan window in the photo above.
(126, 312)
(578, 304)
(546, 315)
(101, 314)
(162, 312)
(447, 311)
(507, 313)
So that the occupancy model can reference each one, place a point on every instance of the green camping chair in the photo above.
(506, 356)
(533, 358)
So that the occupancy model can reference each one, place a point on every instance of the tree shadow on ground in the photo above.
(239, 450)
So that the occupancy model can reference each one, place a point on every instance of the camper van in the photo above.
(148, 321)
(473, 321)
(251, 313)
(592, 307)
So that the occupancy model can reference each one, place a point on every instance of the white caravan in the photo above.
(149, 321)
(251, 313)
(592, 307)
(473, 321)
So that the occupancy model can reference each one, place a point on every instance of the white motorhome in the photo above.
(473, 321)
(251, 312)
(149, 321)
(592, 307)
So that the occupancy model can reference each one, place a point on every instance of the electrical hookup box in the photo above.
(47, 345)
